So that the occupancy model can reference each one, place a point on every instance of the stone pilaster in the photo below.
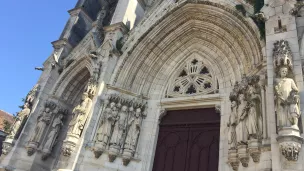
(280, 25)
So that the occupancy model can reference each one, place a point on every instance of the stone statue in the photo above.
(286, 99)
(231, 125)
(42, 121)
(21, 118)
(254, 121)
(52, 135)
(80, 115)
(134, 126)
(241, 131)
(108, 119)
(119, 127)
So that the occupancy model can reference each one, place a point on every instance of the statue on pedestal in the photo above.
(43, 121)
(287, 100)
(108, 119)
(21, 116)
(119, 127)
(80, 115)
(53, 134)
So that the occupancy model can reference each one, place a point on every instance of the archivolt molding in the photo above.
(188, 22)
(70, 73)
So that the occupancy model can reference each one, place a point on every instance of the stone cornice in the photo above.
(77, 11)
(121, 26)
(127, 92)
(60, 43)
(191, 102)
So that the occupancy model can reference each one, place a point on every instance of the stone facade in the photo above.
(120, 65)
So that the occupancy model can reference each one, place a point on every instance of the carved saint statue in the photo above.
(21, 117)
(52, 136)
(287, 100)
(254, 121)
(119, 127)
(108, 119)
(231, 125)
(241, 132)
(42, 122)
(134, 126)
(80, 115)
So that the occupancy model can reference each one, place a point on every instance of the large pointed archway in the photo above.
(227, 40)
(216, 34)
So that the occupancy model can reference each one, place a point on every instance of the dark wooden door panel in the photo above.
(203, 149)
(171, 149)
(187, 142)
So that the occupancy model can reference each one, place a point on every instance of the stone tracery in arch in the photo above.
(193, 78)
(219, 34)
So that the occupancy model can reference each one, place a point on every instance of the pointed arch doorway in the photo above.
(188, 140)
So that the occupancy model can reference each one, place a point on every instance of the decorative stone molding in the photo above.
(42, 122)
(286, 102)
(119, 127)
(245, 122)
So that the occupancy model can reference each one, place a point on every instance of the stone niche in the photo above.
(287, 102)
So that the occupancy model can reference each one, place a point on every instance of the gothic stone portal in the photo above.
(188, 141)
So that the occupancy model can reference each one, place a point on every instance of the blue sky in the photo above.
(27, 29)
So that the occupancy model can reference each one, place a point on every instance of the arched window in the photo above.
(192, 79)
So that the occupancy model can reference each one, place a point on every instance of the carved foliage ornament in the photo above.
(193, 78)
(245, 122)
(119, 127)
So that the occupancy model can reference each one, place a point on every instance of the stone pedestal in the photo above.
(290, 143)
(243, 155)
(254, 148)
(113, 153)
(69, 144)
(98, 149)
(32, 147)
(233, 159)
(7, 145)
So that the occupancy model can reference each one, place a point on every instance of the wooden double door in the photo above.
(188, 141)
